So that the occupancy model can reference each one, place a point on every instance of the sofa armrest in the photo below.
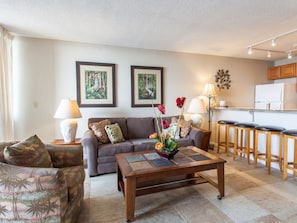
(65, 155)
(32, 193)
(90, 145)
(200, 137)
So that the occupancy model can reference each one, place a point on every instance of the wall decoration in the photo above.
(95, 84)
(147, 86)
(223, 79)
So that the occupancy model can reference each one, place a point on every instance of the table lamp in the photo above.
(210, 92)
(197, 107)
(69, 111)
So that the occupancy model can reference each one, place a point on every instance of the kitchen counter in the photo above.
(294, 111)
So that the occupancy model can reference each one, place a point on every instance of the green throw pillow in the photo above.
(30, 152)
(114, 133)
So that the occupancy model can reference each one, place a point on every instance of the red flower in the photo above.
(165, 124)
(161, 109)
(180, 102)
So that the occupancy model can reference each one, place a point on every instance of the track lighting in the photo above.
(273, 42)
(250, 51)
(265, 46)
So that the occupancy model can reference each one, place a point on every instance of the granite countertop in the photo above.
(250, 109)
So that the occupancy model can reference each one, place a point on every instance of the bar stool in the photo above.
(290, 134)
(226, 125)
(268, 157)
(243, 131)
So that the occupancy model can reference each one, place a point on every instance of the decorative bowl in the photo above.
(166, 154)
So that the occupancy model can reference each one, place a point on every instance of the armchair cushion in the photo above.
(30, 152)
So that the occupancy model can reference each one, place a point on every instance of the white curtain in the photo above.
(6, 120)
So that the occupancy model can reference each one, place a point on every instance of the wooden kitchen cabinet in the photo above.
(273, 73)
(279, 72)
(287, 71)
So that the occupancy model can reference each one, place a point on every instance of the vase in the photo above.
(166, 154)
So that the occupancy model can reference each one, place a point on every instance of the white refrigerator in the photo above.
(277, 96)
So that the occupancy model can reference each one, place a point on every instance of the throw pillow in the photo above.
(185, 127)
(173, 129)
(99, 130)
(30, 152)
(114, 133)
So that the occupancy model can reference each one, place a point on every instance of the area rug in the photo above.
(251, 196)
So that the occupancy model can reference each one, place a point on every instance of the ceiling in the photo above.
(213, 27)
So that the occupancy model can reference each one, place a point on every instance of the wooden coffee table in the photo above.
(145, 172)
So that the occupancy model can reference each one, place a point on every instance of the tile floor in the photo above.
(251, 196)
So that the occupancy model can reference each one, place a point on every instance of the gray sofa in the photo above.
(136, 131)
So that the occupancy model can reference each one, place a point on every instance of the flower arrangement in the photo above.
(166, 142)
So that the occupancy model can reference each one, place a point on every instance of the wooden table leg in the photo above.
(119, 177)
(221, 180)
(130, 189)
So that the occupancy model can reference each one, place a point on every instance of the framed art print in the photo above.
(95, 84)
(147, 86)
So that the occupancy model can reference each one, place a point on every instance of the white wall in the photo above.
(44, 73)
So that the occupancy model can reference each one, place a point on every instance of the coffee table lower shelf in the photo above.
(200, 179)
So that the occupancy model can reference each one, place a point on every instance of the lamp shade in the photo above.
(67, 109)
(197, 106)
(209, 90)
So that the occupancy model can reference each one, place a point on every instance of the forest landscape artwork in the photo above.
(95, 84)
(147, 86)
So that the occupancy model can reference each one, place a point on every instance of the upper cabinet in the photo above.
(284, 71)
(273, 73)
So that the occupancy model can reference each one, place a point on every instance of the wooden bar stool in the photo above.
(243, 131)
(226, 125)
(290, 134)
(268, 157)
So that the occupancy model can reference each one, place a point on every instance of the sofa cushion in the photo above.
(143, 144)
(99, 130)
(30, 152)
(140, 127)
(112, 149)
(187, 141)
(114, 133)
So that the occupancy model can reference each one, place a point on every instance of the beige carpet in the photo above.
(251, 196)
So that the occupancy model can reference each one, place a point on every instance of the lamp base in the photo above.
(68, 130)
(196, 120)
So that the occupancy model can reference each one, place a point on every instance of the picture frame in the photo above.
(146, 86)
(95, 84)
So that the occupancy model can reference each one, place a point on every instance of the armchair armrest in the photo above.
(65, 155)
(200, 137)
(32, 193)
(90, 145)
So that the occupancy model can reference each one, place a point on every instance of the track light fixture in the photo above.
(250, 51)
(273, 42)
(257, 46)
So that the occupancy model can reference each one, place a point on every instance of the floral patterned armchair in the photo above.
(35, 194)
